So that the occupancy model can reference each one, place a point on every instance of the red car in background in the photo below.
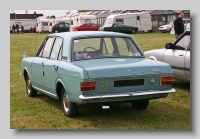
(86, 27)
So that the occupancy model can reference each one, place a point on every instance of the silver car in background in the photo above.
(176, 54)
(166, 28)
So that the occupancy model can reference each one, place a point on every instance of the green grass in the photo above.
(44, 112)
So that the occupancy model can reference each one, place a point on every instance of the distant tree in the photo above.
(80, 11)
(53, 16)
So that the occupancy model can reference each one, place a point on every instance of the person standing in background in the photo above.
(179, 25)
(22, 29)
(13, 28)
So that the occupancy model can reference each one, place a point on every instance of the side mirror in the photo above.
(169, 46)
(24, 54)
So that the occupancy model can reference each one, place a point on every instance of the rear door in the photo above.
(51, 66)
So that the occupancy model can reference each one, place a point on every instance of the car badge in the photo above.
(155, 70)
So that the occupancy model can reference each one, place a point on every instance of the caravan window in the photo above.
(44, 23)
(120, 20)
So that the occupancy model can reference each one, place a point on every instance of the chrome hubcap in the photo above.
(28, 85)
(65, 102)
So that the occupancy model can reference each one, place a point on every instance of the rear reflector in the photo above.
(167, 80)
(88, 86)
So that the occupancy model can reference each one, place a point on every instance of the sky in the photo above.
(57, 13)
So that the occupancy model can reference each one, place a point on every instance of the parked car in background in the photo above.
(166, 28)
(176, 54)
(119, 27)
(61, 27)
(95, 67)
(86, 27)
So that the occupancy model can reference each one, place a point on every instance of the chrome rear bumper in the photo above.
(129, 94)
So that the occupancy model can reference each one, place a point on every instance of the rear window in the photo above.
(104, 47)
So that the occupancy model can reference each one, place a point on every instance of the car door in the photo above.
(61, 27)
(39, 62)
(51, 66)
(117, 27)
(176, 57)
(88, 27)
(187, 63)
(95, 27)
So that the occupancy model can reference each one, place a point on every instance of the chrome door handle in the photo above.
(180, 54)
(42, 65)
(55, 67)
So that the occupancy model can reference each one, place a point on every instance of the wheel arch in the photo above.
(25, 72)
(59, 86)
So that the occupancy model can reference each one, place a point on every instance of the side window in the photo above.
(66, 25)
(61, 25)
(47, 47)
(184, 42)
(56, 48)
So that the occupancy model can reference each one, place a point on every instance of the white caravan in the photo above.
(42, 24)
(81, 19)
(142, 20)
(27, 23)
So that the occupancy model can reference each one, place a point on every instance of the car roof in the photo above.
(85, 34)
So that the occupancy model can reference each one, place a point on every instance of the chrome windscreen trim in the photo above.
(128, 94)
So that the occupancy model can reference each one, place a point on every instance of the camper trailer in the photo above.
(42, 25)
(142, 20)
(77, 20)
(27, 23)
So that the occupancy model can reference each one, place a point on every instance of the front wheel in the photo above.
(140, 104)
(70, 109)
(30, 91)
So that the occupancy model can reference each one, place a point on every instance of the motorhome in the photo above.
(142, 20)
(79, 19)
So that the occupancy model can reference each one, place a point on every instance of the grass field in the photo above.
(43, 112)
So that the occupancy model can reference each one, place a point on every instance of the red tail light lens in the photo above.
(167, 80)
(88, 86)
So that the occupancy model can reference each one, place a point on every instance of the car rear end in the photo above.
(127, 82)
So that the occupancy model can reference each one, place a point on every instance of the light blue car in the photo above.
(95, 67)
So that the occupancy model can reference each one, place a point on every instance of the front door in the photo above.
(38, 63)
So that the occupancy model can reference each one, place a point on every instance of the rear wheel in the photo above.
(140, 104)
(30, 91)
(70, 109)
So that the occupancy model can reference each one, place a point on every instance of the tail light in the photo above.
(88, 86)
(166, 80)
